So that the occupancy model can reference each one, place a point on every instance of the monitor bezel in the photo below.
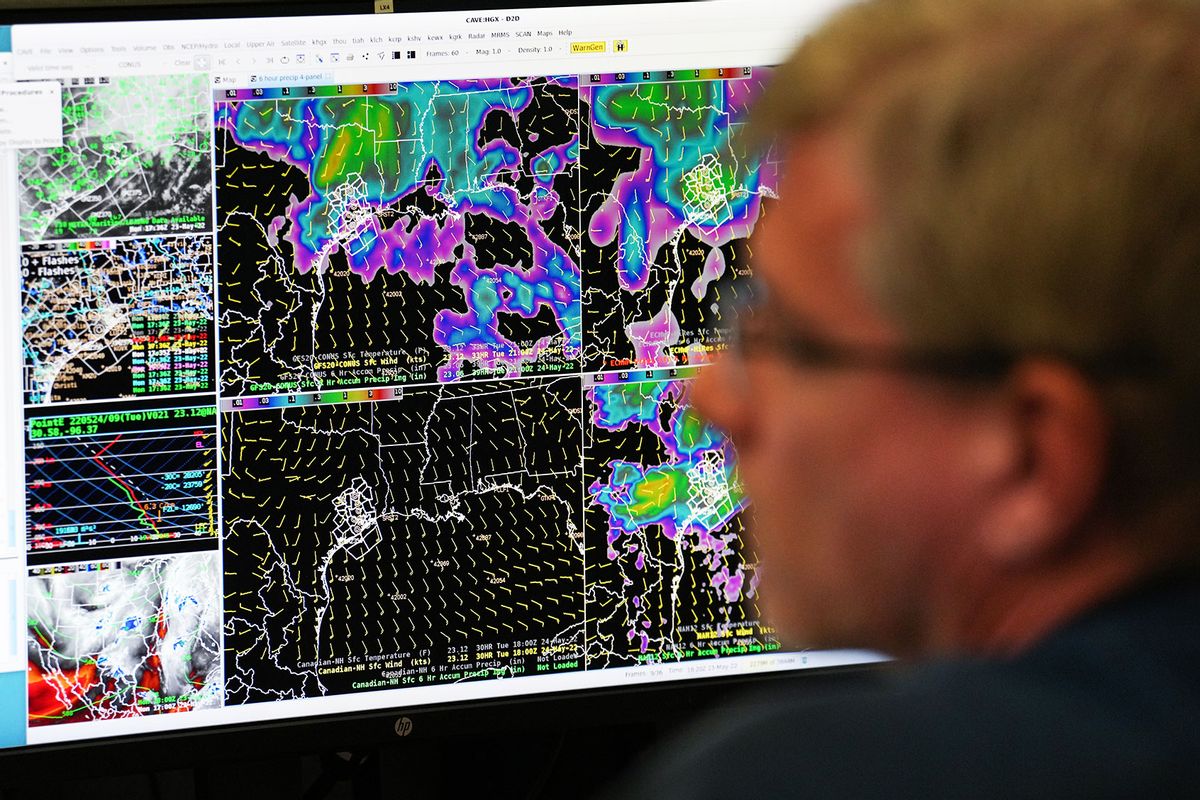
(152, 11)
(659, 708)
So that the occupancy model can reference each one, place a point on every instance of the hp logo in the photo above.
(404, 726)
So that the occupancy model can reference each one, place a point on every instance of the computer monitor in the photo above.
(346, 359)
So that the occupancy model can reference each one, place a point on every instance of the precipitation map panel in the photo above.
(671, 569)
(491, 228)
(427, 235)
(669, 194)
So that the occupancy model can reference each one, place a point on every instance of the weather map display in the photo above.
(670, 192)
(352, 380)
(435, 463)
(124, 638)
(108, 319)
(671, 571)
(460, 265)
(448, 264)
(432, 537)
(117, 349)
(414, 232)
(134, 160)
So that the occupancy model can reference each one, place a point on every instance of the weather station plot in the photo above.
(106, 319)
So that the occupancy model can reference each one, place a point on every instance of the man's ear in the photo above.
(1060, 457)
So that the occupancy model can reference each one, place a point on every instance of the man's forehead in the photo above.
(806, 245)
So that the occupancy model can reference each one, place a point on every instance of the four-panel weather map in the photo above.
(338, 388)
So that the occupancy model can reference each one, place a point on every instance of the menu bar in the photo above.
(339, 43)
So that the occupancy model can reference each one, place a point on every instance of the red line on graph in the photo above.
(132, 495)
(110, 444)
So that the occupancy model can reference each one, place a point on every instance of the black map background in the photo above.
(361, 319)
(606, 344)
(357, 318)
(280, 524)
(699, 606)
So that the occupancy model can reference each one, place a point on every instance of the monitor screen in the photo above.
(346, 361)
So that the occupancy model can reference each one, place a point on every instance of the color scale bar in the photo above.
(303, 92)
(72, 569)
(309, 399)
(640, 375)
(95, 244)
(661, 76)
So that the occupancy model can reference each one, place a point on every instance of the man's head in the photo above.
(965, 409)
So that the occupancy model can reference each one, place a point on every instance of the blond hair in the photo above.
(1037, 176)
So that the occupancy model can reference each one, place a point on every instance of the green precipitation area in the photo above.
(668, 493)
(695, 490)
(381, 147)
(702, 166)
(111, 135)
